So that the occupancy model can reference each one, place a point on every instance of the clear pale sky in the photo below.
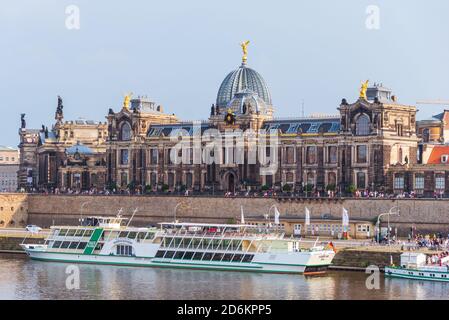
(178, 52)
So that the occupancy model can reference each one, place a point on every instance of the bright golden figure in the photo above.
(127, 100)
(244, 46)
(363, 89)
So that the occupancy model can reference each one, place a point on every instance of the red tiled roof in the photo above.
(437, 152)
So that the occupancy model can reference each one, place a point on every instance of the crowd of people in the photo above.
(434, 242)
(255, 192)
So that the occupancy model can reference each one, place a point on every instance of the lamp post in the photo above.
(81, 210)
(174, 210)
(390, 212)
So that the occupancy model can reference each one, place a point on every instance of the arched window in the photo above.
(126, 131)
(362, 125)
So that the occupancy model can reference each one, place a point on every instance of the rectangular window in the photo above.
(332, 154)
(311, 155)
(153, 156)
(289, 155)
(124, 157)
(361, 154)
(419, 182)
(399, 182)
(439, 183)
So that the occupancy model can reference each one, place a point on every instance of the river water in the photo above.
(21, 278)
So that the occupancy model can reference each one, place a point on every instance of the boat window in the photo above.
(207, 256)
(197, 256)
(237, 258)
(57, 244)
(248, 258)
(160, 254)
(70, 233)
(124, 250)
(169, 254)
(217, 257)
(179, 254)
(79, 232)
(227, 257)
(188, 255)
(73, 245)
(65, 245)
(88, 233)
(82, 245)
(62, 232)
(123, 234)
(132, 235)
(99, 246)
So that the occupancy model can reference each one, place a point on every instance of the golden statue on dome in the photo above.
(244, 46)
(127, 101)
(363, 89)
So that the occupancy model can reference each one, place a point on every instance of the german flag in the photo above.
(331, 246)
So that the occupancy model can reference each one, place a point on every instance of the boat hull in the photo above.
(416, 274)
(173, 263)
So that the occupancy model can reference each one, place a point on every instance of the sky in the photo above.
(178, 52)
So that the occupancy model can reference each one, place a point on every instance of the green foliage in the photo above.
(351, 189)
(330, 187)
(264, 187)
(309, 187)
(287, 188)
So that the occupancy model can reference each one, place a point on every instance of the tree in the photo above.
(351, 189)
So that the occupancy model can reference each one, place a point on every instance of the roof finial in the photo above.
(244, 46)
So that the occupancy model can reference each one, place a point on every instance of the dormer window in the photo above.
(444, 158)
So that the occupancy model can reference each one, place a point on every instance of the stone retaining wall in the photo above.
(427, 215)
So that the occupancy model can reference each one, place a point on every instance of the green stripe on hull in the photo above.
(413, 277)
(93, 241)
(170, 265)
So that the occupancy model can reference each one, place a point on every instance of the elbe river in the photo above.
(21, 278)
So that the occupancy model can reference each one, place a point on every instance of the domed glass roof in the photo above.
(239, 80)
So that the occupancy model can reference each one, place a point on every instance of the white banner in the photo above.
(345, 218)
(242, 218)
(276, 215)
(307, 217)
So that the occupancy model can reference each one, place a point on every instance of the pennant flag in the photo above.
(276, 215)
(242, 219)
(307, 216)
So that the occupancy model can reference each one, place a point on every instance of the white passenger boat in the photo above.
(415, 266)
(106, 240)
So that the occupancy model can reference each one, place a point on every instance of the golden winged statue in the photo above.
(244, 46)
(363, 89)
(127, 100)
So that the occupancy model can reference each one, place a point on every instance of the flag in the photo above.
(331, 245)
(345, 218)
(307, 217)
(276, 215)
(242, 219)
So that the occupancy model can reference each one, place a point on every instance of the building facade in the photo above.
(373, 143)
(9, 166)
(69, 156)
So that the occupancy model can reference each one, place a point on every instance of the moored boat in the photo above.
(238, 247)
(416, 266)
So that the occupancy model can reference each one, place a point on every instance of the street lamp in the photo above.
(174, 210)
(390, 212)
(81, 210)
